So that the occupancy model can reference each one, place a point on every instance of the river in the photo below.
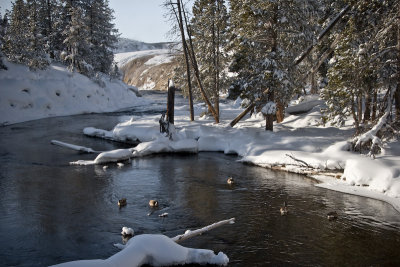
(52, 212)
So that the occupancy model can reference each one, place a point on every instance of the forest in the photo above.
(270, 52)
(266, 52)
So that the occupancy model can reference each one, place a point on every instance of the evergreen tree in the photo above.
(77, 44)
(3, 26)
(37, 42)
(102, 34)
(268, 35)
(16, 36)
(364, 65)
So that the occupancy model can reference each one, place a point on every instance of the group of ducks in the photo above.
(283, 210)
(152, 203)
(333, 215)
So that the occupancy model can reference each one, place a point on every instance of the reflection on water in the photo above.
(53, 212)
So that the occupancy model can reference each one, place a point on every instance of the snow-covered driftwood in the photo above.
(299, 160)
(74, 147)
(371, 135)
(189, 234)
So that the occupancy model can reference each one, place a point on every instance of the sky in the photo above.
(141, 20)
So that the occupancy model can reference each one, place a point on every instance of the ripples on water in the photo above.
(53, 212)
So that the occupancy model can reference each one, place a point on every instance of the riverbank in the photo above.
(299, 144)
(29, 95)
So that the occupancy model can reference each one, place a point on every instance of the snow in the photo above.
(28, 95)
(297, 144)
(156, 250)
(127, 231)
(159, 56)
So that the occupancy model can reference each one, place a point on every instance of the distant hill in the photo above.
(128, 45)
(146, 66)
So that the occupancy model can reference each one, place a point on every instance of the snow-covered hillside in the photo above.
(29, 95)
(148, 69)
(129, 45)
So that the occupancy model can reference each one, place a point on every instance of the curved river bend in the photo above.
(52, 212)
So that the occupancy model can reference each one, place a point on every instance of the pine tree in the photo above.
(102, 34)
(37, 57)
(16, 36)
(77, 45)
(268, 35)
(364, 66)
(3, 26)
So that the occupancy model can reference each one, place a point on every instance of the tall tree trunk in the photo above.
(269, 119)
(192, 57)
(185, 51)
(374, 104)
(397, 92)
(280, 111)
(367, 111)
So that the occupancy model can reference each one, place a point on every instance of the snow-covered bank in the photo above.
(28, 95)
(299, 144)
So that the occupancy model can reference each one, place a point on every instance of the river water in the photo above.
(52, 212)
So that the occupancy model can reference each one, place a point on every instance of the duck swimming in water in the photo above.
(153, 203)
(332, 215)
(284, 209)
(230, 180)
(122, 202)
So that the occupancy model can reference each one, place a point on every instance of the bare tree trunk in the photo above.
(374, 105)
(269, 118)
(322, 34)
(170, 103)
(192, 58)
(241, 115)
(367, 111)
(313, 76)
(397, 92)
(359, 107)
(280, 111)
(185, 51)
(354, 113)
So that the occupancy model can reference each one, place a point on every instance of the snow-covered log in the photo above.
(189, 234)
(371, 135)
(74, 147)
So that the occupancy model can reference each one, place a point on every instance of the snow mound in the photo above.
(156, 250)
(127, 231)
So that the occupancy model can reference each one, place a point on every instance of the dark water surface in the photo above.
(51, 212)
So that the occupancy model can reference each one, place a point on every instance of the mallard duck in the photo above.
(230, 180)
(153, 203)
(332, 215)
(122, 202)
(284, 209)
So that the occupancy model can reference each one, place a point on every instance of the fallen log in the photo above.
(299, 160)
(75, 147)
(188, 234)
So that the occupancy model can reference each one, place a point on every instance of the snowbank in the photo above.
(156, 250)
(29, 95)
(299, 144)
